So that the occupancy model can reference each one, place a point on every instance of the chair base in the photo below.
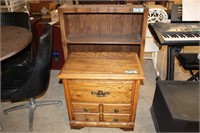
(194, 76)
(190, 61)
(32, 104)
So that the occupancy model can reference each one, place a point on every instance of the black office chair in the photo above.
(175, 106)
(30, 80)
(20, 19)
(190, 61)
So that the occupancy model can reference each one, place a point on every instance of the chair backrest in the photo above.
(20, 19)
(39, 80)
(157, 15)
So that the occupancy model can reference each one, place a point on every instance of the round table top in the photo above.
(13, 40)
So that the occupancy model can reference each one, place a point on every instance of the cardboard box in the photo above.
(53, 15)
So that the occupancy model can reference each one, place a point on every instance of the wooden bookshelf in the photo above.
(86, 27)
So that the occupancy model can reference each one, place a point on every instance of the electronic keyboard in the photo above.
(176, 33)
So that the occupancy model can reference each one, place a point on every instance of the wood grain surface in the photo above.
(13, 40)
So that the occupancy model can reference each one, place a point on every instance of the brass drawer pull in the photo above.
(115, 120)
(85, 110)
(100, 93)
(116, 110)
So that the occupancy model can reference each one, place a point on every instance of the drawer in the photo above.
(116, 118)
(86, 117)
(117, 108)
(85, 108)
(115, 91)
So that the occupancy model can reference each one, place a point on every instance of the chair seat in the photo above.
(13, 79)
(189, 61)
(176, 106)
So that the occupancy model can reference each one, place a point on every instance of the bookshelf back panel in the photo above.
(103, 48)
(116, 24)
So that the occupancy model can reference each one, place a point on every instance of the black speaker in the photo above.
(175, 106)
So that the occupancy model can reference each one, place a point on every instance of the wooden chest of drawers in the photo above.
(101, 88)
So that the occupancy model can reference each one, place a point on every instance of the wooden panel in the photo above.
(114, 24)
(95, 108)
(100, 2)
(102, 65)
(103, 48)
(37, 6)
(100, 8)
(116, 118)
(119, 91)
(86, 117)
(135, 100)
(103, 39)
(85, 107)
(117, 108)
(128, 126)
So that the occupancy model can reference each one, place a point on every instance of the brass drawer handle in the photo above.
(85, 110)
(115, 120)
(100, 93)
(116, 110)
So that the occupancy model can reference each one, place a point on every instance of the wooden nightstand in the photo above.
(101, 88)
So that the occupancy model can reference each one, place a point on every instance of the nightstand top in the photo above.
(102, 65)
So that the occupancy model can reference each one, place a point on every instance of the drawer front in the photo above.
(86, 117)
(85, 108)
(117, 108)
(116, 118)
(101, 91)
